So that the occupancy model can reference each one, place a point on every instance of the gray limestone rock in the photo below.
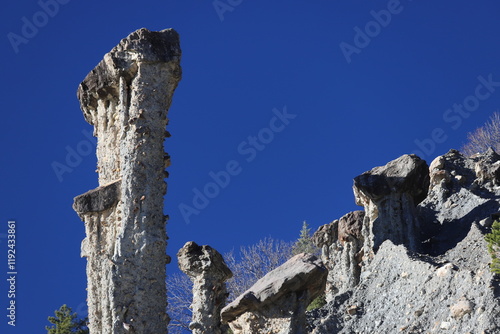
(431, 279)
(467, 194)
(407, 174)
(401, 291)
(277, 302)
(97, 200)
(390, 194)
(341, 243)
(208, 271)
(126, 98)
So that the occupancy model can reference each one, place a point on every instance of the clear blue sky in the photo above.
(363, 92)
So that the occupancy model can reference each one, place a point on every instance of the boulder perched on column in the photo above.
(389, 195)
(126, 98)
(209, 273)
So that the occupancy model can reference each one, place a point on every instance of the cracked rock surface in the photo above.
(428, 266)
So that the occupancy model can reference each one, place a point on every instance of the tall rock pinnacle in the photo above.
(126, 98)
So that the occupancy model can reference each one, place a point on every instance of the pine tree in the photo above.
(317, 303)
(304, 243)
(66, 322)
(493, 240)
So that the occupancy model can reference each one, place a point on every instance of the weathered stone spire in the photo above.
(208, 272)
(126, 98)
(390, 195)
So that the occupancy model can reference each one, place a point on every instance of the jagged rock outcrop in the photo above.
(402, 292)
(389, 195)
(464, 190)
(208, 271)
(437, 280)
(341, 243)
(126, 98)
(277, 302)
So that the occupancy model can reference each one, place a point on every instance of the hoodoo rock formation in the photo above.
(390, 195)
(208, 271)
(414, 261)
(425, 267)
(126, 98)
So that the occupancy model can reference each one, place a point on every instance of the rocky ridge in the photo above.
(418, 262)
(413, 261)
(277, 302)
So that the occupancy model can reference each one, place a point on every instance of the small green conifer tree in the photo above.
(318, 302)
(66, 322)
(304, 243)
(493, 240)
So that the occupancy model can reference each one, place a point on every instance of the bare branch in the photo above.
(252, 263)
(484, 137)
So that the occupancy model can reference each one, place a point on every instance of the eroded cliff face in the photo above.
(126, 98)
(341, 244)
(422, 261)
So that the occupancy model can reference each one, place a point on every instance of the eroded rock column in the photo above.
(341, 245)
(389, 195)
(209, 273)
(126, 98)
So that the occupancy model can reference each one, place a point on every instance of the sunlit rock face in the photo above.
(341, 244)
(423, 260)
(277, 302)
(208, 272)
(126, 98)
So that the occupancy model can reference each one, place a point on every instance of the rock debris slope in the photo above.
(416, 261)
